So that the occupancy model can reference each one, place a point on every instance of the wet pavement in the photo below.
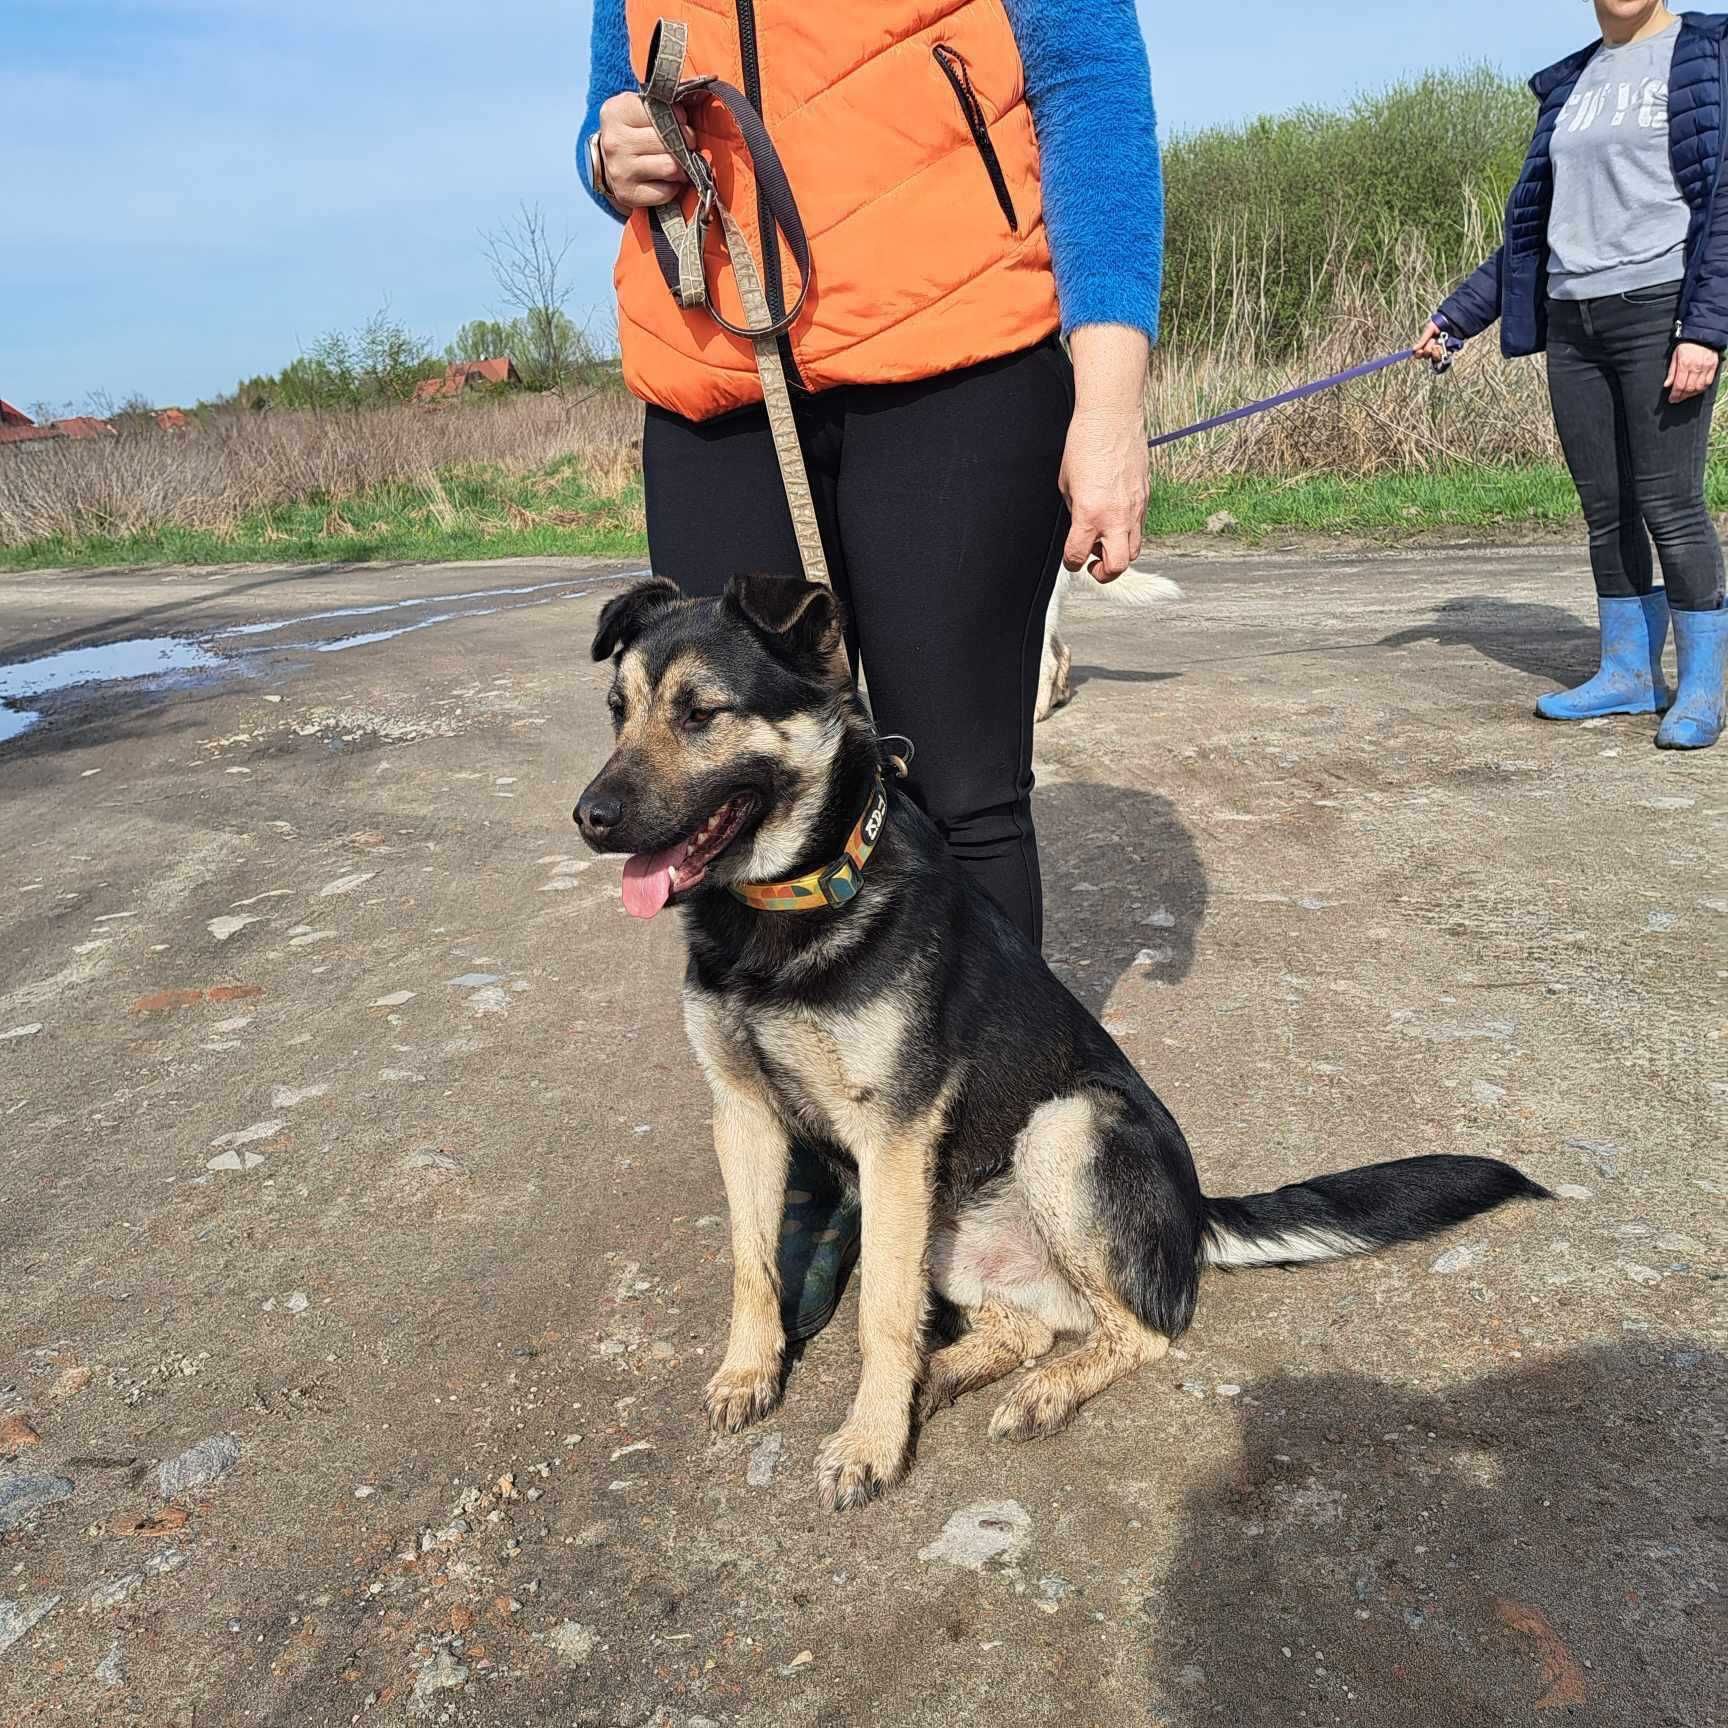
(362, 1254)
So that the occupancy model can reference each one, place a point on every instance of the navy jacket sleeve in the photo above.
(1706, 319)
(1475, 303)
(1090, 90)
(609, 74)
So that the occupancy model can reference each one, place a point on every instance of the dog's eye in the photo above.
(616, 703)
(698, 719)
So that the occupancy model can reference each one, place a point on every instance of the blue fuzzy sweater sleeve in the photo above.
(1090, 89)
(609, 74)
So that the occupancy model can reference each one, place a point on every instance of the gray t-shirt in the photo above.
(1618, 221)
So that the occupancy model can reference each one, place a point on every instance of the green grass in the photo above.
(1385, 507)
(488, 515)
(394, 524)
(1393, 506)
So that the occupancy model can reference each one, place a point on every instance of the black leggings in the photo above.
(944, 525)
(1636, 458)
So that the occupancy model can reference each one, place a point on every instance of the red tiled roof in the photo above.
(173, 419)
(458, 377)
(79, 426)
(10, 416)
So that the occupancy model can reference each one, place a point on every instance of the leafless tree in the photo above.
(528, 265)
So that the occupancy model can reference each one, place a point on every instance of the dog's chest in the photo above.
(840, 1067)
(833, 1072)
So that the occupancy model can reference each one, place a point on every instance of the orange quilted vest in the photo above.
(904, 130)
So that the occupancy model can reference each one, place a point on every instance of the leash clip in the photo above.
(1454, 347)
(899, 760)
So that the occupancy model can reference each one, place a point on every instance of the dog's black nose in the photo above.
(598, 814)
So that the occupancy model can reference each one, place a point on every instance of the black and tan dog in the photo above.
(848, 985)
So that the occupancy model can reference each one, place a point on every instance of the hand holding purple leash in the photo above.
(1436, 347)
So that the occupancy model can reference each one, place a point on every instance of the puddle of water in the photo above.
(13, 724)
(367, 636)
(157, 657)
(148, 657)
(363, 638)
(265, 629)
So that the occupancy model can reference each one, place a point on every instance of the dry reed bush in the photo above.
(240, 464)
(1487, 411)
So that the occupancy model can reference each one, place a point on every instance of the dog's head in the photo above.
(728, 715)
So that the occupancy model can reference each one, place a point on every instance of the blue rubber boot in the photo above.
(1629, 680)
(819, 1241)
(1695, 720)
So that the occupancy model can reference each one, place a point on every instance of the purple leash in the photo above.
(1366, 369)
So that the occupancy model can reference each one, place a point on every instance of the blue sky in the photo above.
(195, 189)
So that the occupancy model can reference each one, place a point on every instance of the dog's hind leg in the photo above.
(1055, 665)
(1066, 1163)
(1048, 1398)
(1001, 1339)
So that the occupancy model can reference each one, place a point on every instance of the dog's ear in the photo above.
(622, 620)
(802, 618)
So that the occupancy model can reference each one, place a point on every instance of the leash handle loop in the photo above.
(680, 242)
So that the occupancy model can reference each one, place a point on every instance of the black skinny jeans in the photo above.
(944, 525)
(1636, 458)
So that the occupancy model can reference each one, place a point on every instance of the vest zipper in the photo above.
(959, 77)
(773, 284)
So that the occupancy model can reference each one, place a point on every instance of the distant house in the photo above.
(83, 426)
(464, 374)
(16, 427)
(173, 419)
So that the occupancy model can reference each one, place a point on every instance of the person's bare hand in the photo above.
(1691, 372)
(1104, 480)
(640, 171)
(1104, 464)
(1430, 346)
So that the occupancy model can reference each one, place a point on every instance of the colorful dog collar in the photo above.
(834, 884)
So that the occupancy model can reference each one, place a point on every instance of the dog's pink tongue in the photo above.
(648, 881)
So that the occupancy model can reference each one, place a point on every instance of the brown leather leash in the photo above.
(679, 243)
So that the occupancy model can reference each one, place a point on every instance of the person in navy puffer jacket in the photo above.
(1615, 261)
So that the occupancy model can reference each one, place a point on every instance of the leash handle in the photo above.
(679, 243)
(1303, 391)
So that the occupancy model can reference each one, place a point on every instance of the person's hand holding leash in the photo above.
(1104, 466)
(1691, 371)
(1431, 345)
(634, 169)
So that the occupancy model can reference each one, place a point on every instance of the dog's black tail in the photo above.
(1358, 1211)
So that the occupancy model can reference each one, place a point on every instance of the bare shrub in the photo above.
(1488, 411)
(241, 464)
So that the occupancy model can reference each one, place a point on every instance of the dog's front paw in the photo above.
(741, 1394)
(856, 1463)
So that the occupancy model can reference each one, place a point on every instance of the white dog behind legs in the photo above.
(1132, 591)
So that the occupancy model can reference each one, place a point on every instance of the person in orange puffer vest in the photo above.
(981, 188)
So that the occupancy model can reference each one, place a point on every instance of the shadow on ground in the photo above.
(1122, 876)
(1543, 1544)
(1079, 675)
(1546, 641)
